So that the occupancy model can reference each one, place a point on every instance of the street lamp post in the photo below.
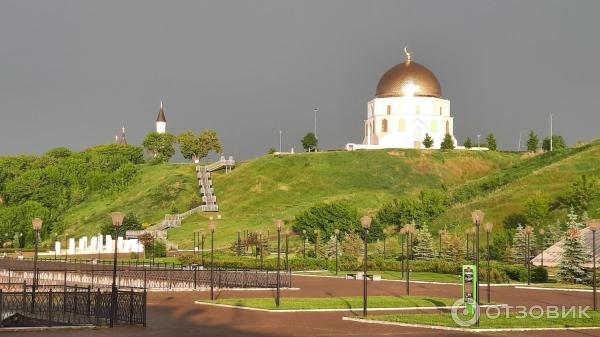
(467, 231)
(36, 224)
(287, 250)
(279, 224)
(211, 227)
(488, 229)
(408, 230)
(337, 234)
(202, 238)
(239, 244)
(304, 244)
(542, 233)
(402, 252)
(316, 243)
(477, 217)
(117, 220)
(365, 221)
(528, 231)
(593, 225)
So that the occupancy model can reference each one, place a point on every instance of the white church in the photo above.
(408, 105)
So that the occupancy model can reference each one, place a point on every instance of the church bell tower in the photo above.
(161, 121)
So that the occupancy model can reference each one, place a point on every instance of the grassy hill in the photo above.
(547, 176)
(267, 188)
(259, 191)
(157, 190)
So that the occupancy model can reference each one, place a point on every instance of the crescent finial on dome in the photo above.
(407, 53)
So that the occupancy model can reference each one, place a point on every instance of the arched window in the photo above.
(384, 125)
(441, 110)
(402, 125)
(389, 109)
(434, 125)
(448, 127)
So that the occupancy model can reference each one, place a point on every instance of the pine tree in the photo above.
(423, 249)
(533, 141)
(331, 247)
(574, 255)
(553, 234)
(447, 143)
(352, 244)
(468, 143)
(454, 247)
(519, 247)
(428, 141)
(491, 142)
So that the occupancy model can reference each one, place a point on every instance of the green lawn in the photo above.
(561, 285)
(292, 303)
(396, 275)
(512, 321)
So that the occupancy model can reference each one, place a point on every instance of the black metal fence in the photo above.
(17, 271)
(60, 305)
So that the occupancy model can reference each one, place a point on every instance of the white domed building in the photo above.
(408, 105)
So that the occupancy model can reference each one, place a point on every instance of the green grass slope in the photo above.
(548, 176)
(257, 192)
(156, 191)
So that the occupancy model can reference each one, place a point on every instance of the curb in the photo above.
(555, 289)
(423, 282)
(229, 306)
(447, 328)
(48, 328)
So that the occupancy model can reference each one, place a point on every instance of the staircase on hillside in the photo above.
(209, 199)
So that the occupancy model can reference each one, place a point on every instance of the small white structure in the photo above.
(408, 106)
(161, 121)
(96, 247)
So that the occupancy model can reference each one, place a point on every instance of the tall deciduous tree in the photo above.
(160, 146)
(310, 142)
(558, 143)
(533, 141)
(491, 142)
(197, 147)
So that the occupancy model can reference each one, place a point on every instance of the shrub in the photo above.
(539, 275)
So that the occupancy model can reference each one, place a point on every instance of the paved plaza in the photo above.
(174, 314)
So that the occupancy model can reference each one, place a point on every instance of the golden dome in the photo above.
(408, 79)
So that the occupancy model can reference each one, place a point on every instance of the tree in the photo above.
(327, 217)
(352, 244)
(519, 247)
(428, 141)
(130, 223)
(537, 210)
(454, 247)
(533, 141)
(189, 145)
(468, 143)
(423, 248)
(574, 255)
(388, 232)
(558, 143)
(160, 146)
(310, 142)
(491, 142)
(447, 143)
(210, 142)
(582, 192)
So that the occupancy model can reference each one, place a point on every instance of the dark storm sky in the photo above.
(73, 72)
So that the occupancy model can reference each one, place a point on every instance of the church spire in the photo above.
(161, 121)
(161, 114)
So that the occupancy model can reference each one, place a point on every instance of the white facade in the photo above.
(404, 122)
(161, 127)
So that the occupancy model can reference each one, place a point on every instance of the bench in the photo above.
(372, 277)
(350, 276)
